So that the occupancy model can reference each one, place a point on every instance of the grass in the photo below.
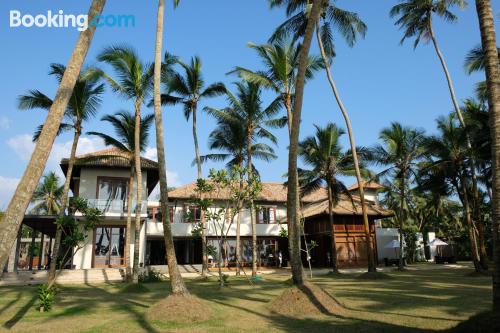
(410, 301)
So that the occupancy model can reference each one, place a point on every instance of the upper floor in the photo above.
(103, 178)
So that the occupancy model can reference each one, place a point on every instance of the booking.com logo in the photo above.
(61, 20)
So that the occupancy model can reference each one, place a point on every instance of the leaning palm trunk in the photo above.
(176, 282)
(472, 162)
(14, 214)
(292, 193)
(335, 267)
(204, 266)
(369, 242)
(62, 210)
(138, 178)
(488, 39)
(128, 232)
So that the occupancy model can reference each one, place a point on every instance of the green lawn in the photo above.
(411, 301)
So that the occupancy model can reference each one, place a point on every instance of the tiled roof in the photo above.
(110, 158)
(344, 207)
(367, 184)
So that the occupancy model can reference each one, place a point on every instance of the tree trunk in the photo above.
(488, 39)
(483, 255)
(128, 232)
(401, 221)
(252, 209)
(204, 266)
(238, 224)
(292, 193)
(176, 282)
(14, 214)
(138, 178)
(335, 268)
(64, 201)
(371, 249)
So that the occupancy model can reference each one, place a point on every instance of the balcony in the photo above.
(116, 206)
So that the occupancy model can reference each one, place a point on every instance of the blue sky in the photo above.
(380, 81)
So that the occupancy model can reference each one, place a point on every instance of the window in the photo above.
(193, 214)
(266, 215)
(154, 214)
(109, 246)
(109, 188)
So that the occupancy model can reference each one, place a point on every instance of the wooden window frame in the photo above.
(186, 207)
(257, 219)
(99, 178)
(125, 257)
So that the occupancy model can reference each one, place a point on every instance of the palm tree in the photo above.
(349, 25)
(475, 62)
(402, 149)
(134, 81)
(246, 108)
(323, 153)
(48, 194)
(124, 125)
(488, 43)
(230, 138)
(280, 60)
(176, 282)
(190, 90)
(14, 214)
(82, 106)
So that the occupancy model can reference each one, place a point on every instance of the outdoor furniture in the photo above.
(393, 262)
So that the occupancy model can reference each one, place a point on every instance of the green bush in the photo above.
(46, 297)
(151, 276)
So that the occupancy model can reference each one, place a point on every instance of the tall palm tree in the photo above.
(189, 89)
(402, 149)
(124, 125)
(134, 81)
(48, 194)
(230, 139)
(349, 25)
(12, 219)
(488, 43)
(246, 107)
(293, 181)
(324, 154)
(176, 282)
(83, 105)
(280, 60)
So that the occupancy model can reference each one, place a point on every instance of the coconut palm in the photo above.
(246, 107)
(124, 125)
(230, 139)
(134, 81)
(350, 26)
(14, 214)
(475, 62)
(82, 106)
(47, 197)
(324, 154)
(402, 149)
(189, 89)
(488, 44)
(280, 60)
(176, 282)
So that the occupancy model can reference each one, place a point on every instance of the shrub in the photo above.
(46, 297)
(151, 276)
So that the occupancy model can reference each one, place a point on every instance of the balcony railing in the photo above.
(115, 206)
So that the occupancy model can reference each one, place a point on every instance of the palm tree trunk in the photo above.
(401, 221)
(472, 162)
(62, 210)
(238, 224)
(371, 249)
(13, 217)
(176, 282)
(252, 209)
(483, 255)
(138, 178)
(335, 268)
(293, 182)
(128, 232)
(488, 39)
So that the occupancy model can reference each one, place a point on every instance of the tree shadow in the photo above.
(20, 313)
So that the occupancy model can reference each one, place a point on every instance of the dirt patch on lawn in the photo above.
(181, 309)
(306, 301)
(374, 276)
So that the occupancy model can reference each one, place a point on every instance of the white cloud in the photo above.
(7, 188)
(151, 153)
(22, 146)
(5, 122)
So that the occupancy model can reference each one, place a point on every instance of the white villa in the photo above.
(103, 179)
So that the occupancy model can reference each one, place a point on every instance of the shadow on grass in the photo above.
(20, 313)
